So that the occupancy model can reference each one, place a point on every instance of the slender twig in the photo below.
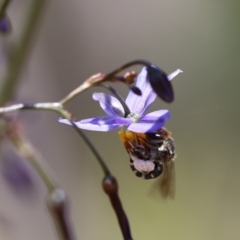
(83, 87)
(26, 150)
(4, 7)
(98, 157)
(100, 78)
(110, 186)
(57, 107)
(58, 205)
(9, 85)
(97, 79)
(20, 53)
(58, 201)
(125, 66)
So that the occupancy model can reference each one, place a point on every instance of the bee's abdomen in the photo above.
(158, 169)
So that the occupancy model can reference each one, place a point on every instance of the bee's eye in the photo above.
(155, 137)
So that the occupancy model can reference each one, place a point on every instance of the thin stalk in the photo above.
(20, 53)
(57, 107)
(98, 157)
(83, 87)
(36, 106)
(125, 66)
(3, 8)
(28, 152)
(110, 186)
(99, 78)
(58, 205)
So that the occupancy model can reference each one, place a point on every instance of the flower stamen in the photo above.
(134, 117)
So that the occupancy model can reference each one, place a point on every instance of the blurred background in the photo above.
(76, 39)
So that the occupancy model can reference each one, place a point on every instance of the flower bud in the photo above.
(160, 83)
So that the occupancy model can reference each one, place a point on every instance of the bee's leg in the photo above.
(135, 138)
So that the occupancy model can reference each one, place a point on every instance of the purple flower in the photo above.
(137, 120)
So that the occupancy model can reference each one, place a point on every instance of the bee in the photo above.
(151, 154)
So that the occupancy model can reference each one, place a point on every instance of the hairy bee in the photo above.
(151, 154)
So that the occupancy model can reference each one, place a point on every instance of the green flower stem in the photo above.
(3, 8)
(26, 150)
(19, 55)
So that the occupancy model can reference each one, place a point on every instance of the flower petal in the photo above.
(139, 104)
(174, 74)
(102, 124)
(109, 104)
(154, 116)
(99, 128)
(150, 122)
(107, 120)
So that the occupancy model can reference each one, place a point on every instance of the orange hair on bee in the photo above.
(128, 137)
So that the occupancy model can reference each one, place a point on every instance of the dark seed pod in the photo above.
(110, 185)
(160, 83)
(136, 90)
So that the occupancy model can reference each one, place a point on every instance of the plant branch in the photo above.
(26, 150)
(97, 79)
(20, 53)
(58, 205)
(110, 186)
(58, 202)
(98, 157)
(100, 78)
(3, 8)
(57, 107)
(93, 80)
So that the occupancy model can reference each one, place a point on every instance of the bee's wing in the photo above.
(167, 181)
